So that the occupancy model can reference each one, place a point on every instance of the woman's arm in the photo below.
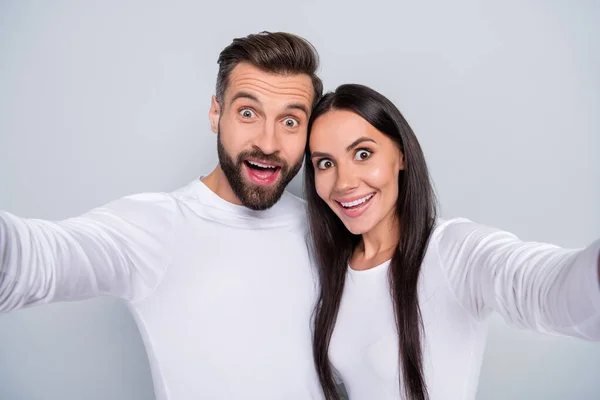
(532, 285)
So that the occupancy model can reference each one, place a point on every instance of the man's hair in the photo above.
(275, 52)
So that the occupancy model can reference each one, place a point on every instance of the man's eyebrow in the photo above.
(250, 96)
(298, 106)
(244, 95)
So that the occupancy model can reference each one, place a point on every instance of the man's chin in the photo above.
(259, 205)
(260, 198)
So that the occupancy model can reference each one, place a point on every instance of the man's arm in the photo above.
(121, 249)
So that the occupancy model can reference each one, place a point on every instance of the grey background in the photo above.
(102, 99)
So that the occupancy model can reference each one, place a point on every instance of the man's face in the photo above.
(262, 129)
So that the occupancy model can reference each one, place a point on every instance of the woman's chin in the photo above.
(357, 227)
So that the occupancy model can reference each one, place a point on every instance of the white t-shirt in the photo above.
(468, 271)
(222, 294)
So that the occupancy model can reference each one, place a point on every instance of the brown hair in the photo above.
(276, 52)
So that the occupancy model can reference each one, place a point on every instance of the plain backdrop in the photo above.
(102, 99)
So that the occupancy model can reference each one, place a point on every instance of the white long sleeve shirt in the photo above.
(222, 295)
(469, 270)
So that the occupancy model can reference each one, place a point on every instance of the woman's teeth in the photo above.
(356, 202)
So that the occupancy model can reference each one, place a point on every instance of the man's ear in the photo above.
(214, 114)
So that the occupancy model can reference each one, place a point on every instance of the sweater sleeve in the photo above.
(535, 286)
(121, 249)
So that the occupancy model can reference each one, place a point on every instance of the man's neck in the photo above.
(218, 183)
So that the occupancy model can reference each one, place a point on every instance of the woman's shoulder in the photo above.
(461, 229)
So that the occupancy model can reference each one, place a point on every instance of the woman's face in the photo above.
(356, 169)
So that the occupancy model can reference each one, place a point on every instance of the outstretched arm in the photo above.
(532, 285)
(120, 249)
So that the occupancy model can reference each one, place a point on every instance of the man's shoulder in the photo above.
(292, 204)
(145, 208)
(293, 199)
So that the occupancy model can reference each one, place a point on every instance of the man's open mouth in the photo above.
(262, 172)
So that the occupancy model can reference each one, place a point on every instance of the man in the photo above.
(217, 273)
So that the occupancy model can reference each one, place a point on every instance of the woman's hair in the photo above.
(333, 244)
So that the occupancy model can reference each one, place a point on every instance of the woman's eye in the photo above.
(247, 113)
(324, 164)
(290, 123)
(362, 155)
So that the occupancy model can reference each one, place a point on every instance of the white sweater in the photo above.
(469, 270)
(222, 295)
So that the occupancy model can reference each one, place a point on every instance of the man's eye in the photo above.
(290, 123)
(246, 113)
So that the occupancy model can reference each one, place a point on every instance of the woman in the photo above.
(404, 295)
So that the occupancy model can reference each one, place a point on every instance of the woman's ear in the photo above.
(401, 161)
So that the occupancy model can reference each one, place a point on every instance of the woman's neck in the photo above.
(377, 245)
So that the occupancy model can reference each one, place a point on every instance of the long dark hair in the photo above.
(333, 244)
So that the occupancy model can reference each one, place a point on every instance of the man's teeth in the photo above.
(261, 165)
(356, 202)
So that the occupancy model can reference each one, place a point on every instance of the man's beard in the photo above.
(253, 196)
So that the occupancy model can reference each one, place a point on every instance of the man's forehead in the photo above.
(248, 78)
